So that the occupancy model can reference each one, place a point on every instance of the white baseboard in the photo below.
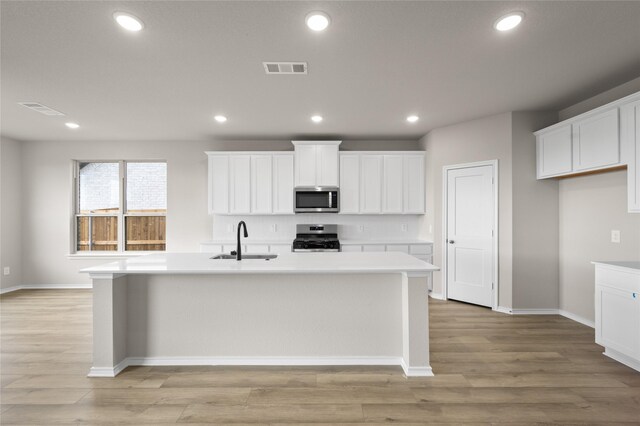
(503, 310)
(44, 287)
(438, 296)
(622, 358)
(416, 371)
(10, 289)
(258, 361)
(108, 371)
(534, 312)
(577, 318)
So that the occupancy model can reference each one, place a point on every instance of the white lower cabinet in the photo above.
(350, 248)
(280, 248)
(403, 248)
(373, 247)
(617, 322)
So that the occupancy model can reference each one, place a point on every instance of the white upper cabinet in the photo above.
(349, 183)
(393, 192)
(283, 184)
(250, 183)
(316, 163)
(630, 134)
(382, 182)
(554, 152)
(261, 184)
(414, 184)
(596, 141)
(371, 183)
(604, 138)
(239, 184)
(587, 142)
(219, 184)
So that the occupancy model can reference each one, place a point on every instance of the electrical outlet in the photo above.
(274, 227)
(6, 270)
(404, 227)
(431, 229)
(615, 236)
(360, 228)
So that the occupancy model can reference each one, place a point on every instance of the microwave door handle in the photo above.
(330, 199)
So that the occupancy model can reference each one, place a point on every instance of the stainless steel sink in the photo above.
(245, 256)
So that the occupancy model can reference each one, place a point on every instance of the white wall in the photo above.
(590, 207)
(47, 194)
(487, 138)
(10, 212)
(527, 209)
(535, 219)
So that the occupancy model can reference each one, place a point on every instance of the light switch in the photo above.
(360, 228)
(274, 227)
(404, 227)
(615, 236)
(6, 270)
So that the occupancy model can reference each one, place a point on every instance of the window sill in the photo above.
(112, 256)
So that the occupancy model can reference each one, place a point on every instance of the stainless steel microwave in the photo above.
(316, 199)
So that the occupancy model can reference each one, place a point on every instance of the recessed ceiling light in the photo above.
(72, 125)
(413, 118)
(128, 21)
(509, 22)
(316, 118)
(220, 118)
(317, 21)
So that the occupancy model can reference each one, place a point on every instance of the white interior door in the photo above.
(469, 234)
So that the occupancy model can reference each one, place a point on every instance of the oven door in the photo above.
(316, 200)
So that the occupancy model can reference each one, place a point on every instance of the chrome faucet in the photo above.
(239, 247)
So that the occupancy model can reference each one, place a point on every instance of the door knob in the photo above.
(451, 242)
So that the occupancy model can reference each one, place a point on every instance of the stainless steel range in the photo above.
(316, 238)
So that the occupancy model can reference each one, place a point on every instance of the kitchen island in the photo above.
(296, 309)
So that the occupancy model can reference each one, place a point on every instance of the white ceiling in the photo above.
(374, 65)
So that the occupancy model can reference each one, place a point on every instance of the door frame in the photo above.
(445, 190)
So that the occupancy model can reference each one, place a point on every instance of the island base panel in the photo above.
(266, 319)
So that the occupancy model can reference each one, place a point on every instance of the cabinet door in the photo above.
(327, 165)
(618, 320)
(349, 183)
(371, 184)
(392, 188)
(283, 184)
(261, 184)
(351, 248)
(414, 191)
(305, 161)
(596, 141)
(239, 184)
(630, 137)
(554, 152)
(280, 248)
(219, 184)
(373, 247)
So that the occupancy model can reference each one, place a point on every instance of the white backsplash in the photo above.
(350, 227)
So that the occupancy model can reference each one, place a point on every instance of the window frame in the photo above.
(121, 215)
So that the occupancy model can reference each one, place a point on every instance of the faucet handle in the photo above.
(234, 253)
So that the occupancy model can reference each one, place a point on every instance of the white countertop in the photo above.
(629, 264)
(342, 241)
(289, 263)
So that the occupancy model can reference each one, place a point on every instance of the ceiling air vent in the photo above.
(42, 109)
(285, 67)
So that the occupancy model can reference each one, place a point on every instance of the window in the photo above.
(120, 206)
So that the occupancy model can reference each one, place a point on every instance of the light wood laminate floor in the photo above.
(490, 368)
